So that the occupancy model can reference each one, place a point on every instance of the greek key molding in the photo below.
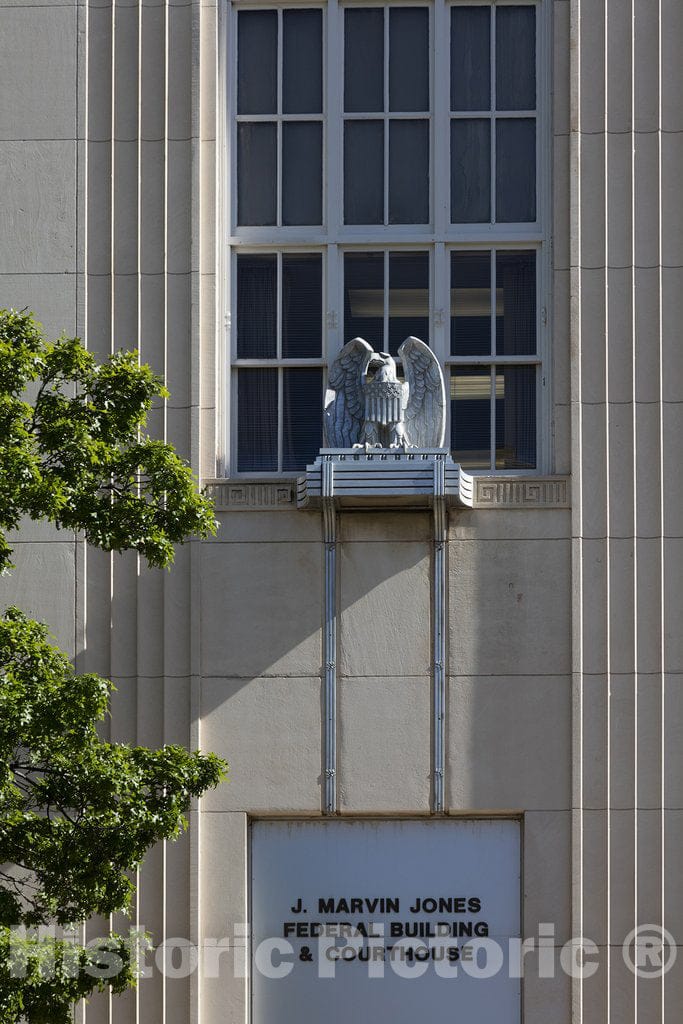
(485, 492)
(517, 492)
(251, 494)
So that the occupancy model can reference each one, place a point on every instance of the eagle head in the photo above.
(384, 366)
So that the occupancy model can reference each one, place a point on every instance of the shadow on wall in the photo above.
(262, 619)
(263, 596)
(509, 700)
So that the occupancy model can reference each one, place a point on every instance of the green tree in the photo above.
(77, 814)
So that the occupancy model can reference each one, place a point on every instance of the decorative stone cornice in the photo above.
(393, 479)
(232, 495)
(521, 492)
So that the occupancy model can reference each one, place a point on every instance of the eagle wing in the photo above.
(425, 410)
(344, 411)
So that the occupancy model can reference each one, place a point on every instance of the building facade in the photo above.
(238, 190)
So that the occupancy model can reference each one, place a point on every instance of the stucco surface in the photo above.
(384, 619)
(270, 730)
(508, 742)
(42, 585)
(384, 744)
(509, 607)
(261, 609)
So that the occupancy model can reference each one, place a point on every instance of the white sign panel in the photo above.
(356, 921)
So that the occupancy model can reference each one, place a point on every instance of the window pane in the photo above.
(470, 171)
(257, 421)
(516, 313)
(516, 417)
(302, 403)
(408, 298)
(408, 58)
(515, 170)
(256, 173)
(471, 303)
(471, 416)
(363, 172)
(364, 60)
(302, 310)
(408, 172)
(515, 58)
(364, 297)
(302, 69)
(302, 198)
(256, 307)
(470, 58)
(257, 62)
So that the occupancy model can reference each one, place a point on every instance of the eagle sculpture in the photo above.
(366, 405)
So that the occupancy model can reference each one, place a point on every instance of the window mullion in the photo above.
(493, 114)
(278, 349)
(385, 322)
(440, 104)
(494, 304)
(333, 153)
(493, 416)
(280, 417)
(280, 49)
(278, 306)
(332, 326)
(522, 360)
(494, 342)
(440, 302)
(386, 115)
(544, 418)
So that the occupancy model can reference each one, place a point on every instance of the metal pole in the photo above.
(439, 633)
(330, 636)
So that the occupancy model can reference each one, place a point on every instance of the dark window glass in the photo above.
(408, 298)
(515, 58)
(364, 60)
(408, 58)
(471, 416)
(516, 417)
(470, 171)
(470, 58)
(256, 173)
(363, 172)
(364, 297)
(302, 402)
(408, 172)
(302, 306)
(471, 303)
(257, 420)
(302, 172)
(256, 307)
(515, 170)
(516, 313)
(257, 62)
(302, 66)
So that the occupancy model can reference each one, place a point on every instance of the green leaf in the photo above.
(78, 814)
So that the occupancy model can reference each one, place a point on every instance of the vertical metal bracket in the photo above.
(330, 637)
(439, 627)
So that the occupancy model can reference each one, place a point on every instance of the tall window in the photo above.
(386, 115)
(387, 168)
(279, 117)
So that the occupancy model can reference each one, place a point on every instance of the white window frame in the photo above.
(333, 237)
